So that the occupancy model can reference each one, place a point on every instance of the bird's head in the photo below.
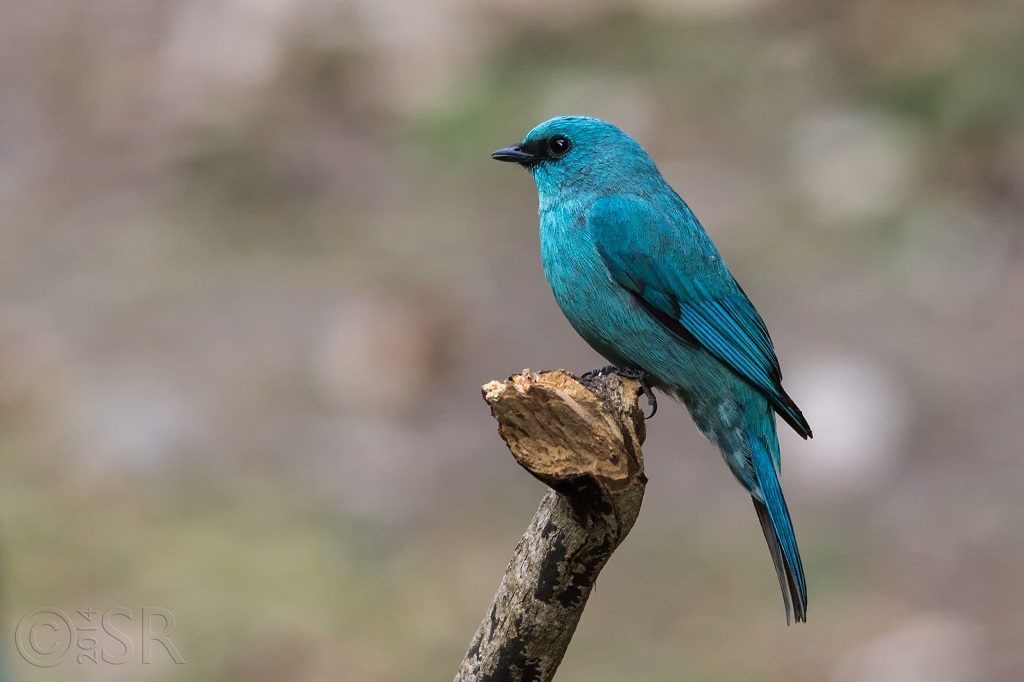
(578, 153)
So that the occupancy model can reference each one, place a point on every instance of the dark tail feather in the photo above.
(778, 532)
(787, 578)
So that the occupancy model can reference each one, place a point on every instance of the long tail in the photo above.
(778, 532)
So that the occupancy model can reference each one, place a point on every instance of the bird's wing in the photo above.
(667, 261)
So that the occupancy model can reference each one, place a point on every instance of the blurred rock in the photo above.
(929, 648)
(852, 165)
(30, 353)
(378, 354)
(707, 8)
(952, 256)
(860, 413)
(907, 39)
(581, 9)
(132, 420)
(312, 657)
(382, 468)
(216, 54)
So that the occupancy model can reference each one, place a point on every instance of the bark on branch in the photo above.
(583, 440)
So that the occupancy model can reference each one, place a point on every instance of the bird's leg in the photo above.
(629, 373)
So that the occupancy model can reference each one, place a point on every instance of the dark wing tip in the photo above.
(791, 414)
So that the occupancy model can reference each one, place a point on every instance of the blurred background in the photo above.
(256, 263)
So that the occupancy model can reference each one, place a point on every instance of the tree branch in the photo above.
(584, 442)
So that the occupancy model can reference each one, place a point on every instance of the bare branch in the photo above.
(584, 442)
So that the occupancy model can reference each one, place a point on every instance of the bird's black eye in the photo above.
(559, 145)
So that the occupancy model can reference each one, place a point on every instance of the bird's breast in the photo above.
(567, 249)
(579, 278)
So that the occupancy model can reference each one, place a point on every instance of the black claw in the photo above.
(629, 373)
(651, 399)
(594, 373)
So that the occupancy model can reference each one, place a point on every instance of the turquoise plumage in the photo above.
(639, 279)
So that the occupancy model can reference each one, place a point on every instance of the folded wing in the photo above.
(667, 261)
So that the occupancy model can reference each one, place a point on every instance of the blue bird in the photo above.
(639, 279)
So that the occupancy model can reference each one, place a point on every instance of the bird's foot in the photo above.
(629, 373)
(594, 373)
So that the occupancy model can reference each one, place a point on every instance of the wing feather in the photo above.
(672, 267)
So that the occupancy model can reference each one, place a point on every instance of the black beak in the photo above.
(514, 155)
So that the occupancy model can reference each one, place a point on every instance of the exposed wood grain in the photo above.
(584, 441)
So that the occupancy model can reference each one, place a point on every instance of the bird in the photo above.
(640, 280)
